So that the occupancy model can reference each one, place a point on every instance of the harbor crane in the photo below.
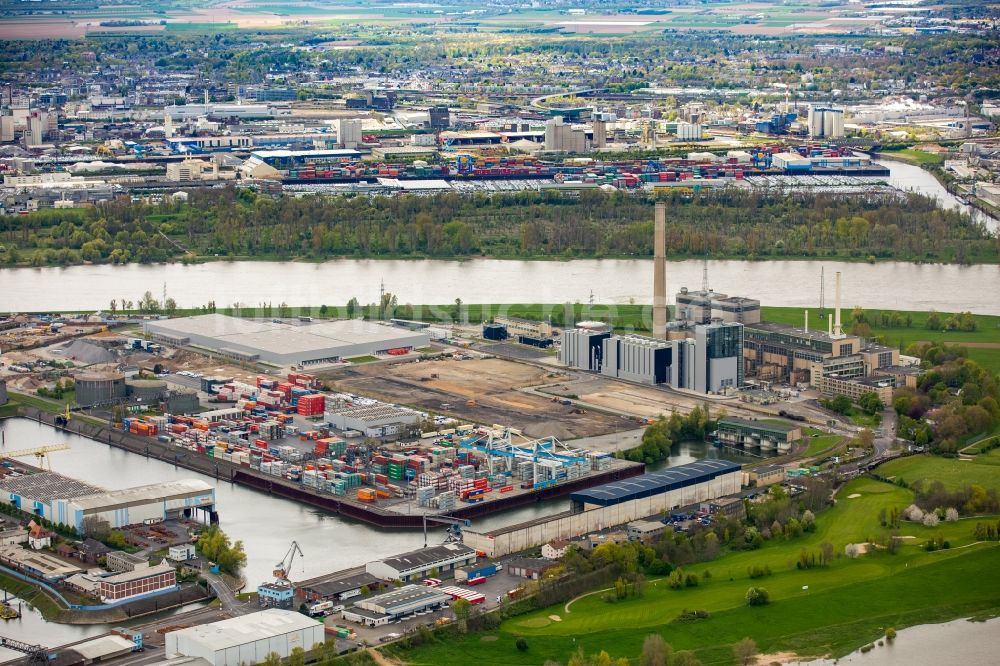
(36, 653)
(40, 452)
(282, 568)
(455, 526)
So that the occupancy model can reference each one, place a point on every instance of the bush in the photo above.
(522, 645)
(757, 596)
(890, 634)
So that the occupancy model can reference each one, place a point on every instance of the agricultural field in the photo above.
(828, 610)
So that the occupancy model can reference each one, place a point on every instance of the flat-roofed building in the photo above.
(736, 309)
(765, 475)
(785, 353)
(397, 603)
(286, 343)
(138, 583)
(247, 639)
(767, 435)
(854, 388)
(645, 530)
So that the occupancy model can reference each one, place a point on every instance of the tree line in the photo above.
(738, 223)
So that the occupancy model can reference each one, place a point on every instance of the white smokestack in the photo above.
(660, 271)
(829, 325)
(837, 330)
(807, 321)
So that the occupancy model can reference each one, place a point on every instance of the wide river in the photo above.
(902, 286)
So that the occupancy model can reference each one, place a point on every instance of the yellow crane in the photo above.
(40, 452)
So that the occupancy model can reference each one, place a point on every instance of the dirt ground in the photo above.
(643, 401)
(492, 383)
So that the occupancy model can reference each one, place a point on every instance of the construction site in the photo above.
(482, 390)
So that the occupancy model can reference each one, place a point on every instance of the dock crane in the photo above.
(40, 452)
(455, 526)
(282, 568)
(36, 653)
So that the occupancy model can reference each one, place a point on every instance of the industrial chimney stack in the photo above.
(660, 271)
(838, 332)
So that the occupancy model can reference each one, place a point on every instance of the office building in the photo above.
(855, 387)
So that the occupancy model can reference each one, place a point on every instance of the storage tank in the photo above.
(99, 388)
(146, 390)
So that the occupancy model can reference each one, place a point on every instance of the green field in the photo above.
(362, 359)
(845, 605)
(915, 157)
(982, 470)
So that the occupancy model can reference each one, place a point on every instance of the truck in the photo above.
(484, 572)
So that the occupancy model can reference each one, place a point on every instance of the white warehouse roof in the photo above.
(248, 629)
(154, 492)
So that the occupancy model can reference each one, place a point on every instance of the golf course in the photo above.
(823, 610)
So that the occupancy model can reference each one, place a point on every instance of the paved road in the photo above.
(230, 604)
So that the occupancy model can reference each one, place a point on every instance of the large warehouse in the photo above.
(406, 600)
(247, 639)
(616, 503)
(285, 343)
(67, 501)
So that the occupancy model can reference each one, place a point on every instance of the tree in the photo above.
(297, 657)
(745, 652)
(272, 659)
(685, 658)
(522, 645)
(353, 308)
(871, 403)
(655, 651)
(757, 596)
(170, 305)
(462, 610)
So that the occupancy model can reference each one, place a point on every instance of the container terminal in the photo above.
(465, 472)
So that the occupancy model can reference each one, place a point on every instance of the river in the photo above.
(956, 642)
(897, 285)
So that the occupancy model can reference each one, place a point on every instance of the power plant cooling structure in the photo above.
(660, 271)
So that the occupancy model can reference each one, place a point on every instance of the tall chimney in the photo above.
(837, 330)
(829, 325)
(807, 322)
(660, 271)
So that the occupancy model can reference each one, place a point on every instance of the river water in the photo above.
(896, 285)
(956, 642)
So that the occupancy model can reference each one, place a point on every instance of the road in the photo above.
(230, 604)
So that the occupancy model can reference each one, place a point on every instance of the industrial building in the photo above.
(276, 164)
(419, 563)
(616, 503)
(781, 352)
(282, 343)
(406, 600)
(711, 361)
(248, 639)
(67, 501)
(770, 435)
(855, 387)
(379, 420)
(93, 389)
(825, 123)
(139, 582)
(718, 357)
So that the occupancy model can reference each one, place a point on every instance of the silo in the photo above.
(146, 390)
(99, 388)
